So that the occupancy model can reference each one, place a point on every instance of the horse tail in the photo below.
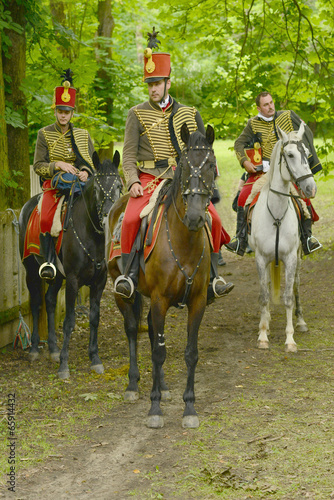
(275, 274)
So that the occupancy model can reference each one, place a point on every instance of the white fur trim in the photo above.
(56, 224)
(149, 207)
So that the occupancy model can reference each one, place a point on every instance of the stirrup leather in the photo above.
(120, 278)
(47, 264)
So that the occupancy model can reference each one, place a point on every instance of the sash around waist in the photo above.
(167, 162)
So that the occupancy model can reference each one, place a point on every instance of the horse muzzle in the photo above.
(308, 188)
(194, 222)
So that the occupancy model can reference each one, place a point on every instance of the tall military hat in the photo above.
(156, 64)
(64, 96)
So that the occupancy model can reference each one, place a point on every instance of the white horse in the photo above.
(274, 232)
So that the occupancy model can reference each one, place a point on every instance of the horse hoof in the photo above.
(97, 368)
(190, 422)
(63, 375)
(131, 396)
(263, 344)
(302, 328)
(166, 396)
(155, 421)
(33, 356)
(291, 348)
(55, 356)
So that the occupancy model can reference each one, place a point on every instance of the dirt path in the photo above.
(266, 417)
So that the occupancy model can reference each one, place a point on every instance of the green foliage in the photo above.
(223, 55)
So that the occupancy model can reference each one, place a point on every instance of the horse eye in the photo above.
(290, 155)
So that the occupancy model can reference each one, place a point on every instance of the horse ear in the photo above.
(116, 159)
(96, 160)
(281, 134)
(210, 134)
(301, 131)
(185, 133)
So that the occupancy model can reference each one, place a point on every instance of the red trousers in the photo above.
(131, 221)
(49, 206)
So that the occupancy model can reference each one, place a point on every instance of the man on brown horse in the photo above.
(59, 148)
(253, 149)
(152, 148)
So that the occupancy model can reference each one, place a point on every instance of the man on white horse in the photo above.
(253, 149)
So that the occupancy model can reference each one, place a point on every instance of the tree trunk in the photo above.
(3, 139)
(14, 66)
(105, 30)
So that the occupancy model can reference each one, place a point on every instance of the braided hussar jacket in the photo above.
(152, 141)
(52, 146)
(265, 132)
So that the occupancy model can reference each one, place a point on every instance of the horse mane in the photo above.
(274, 159)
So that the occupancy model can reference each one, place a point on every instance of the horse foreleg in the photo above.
(301, 326)
(68, 325)
(263, 271)
(290, 270)
(131, 314)
(50, 305)
(158, 311)
(34, 285)
(195, 315)
(165, 393)
(96, 290)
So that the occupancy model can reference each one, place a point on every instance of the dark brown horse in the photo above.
(82, 256)
(177, 271)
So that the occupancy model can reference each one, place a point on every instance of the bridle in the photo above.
(186, 189)
(277, 221)
(196, 174)
(107, 196)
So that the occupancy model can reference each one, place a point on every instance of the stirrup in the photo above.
(314, 240)
(128, 280)
(215, 281)
(234, 240)
(49, 265)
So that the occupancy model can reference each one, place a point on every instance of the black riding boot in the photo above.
(309, 243)
(217, 286)
(48, 269)
(126, 284)
(239, 243)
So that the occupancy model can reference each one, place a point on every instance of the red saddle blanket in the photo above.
(31, 240)
(115, 250)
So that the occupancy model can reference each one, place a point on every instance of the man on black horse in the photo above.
(152, 148)
(59, 148)
(253, 149)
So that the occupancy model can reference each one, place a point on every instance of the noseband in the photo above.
(196, 173)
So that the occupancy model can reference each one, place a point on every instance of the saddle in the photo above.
(151, 217)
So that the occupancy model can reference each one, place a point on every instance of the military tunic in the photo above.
(52, 146)
(266, 133)
(152, 148)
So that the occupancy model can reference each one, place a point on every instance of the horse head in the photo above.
(107, 184)
(197, 175)
(295, 154)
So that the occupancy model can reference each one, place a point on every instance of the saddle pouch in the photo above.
(63, 182)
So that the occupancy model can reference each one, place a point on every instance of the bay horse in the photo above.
(275, 233)
(82, 256)
(176, 272)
